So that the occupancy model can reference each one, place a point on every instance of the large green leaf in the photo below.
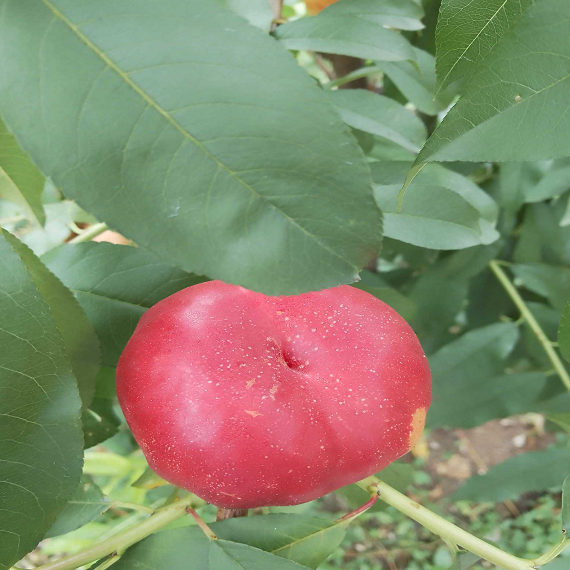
(564, 332)
(531, 471)
(20, 181)
(416, 81)
(189, 547)
(80, 340)
(431, 216)
(86, 504)
(41, 441)
(541, 238)
(100, 421)
(381, 116)
(401, 14)
(257, 12)
(394, 173)
(304, 539)
(517, 180)
(556, 181)
(231, 182)
(115, 285)
(467, 30)
(439, 293)
(469, 386)
(345, 35)
(515, 105)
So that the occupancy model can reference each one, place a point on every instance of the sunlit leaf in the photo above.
(467, 30)
(227, 182)
(515, 105)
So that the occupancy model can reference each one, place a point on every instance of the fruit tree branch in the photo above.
(532, 322)
(160, 518)
(90, 233)
(453, 534)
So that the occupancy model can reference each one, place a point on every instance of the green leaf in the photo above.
(472, 400)
(431, 216)
(395, 172)
(345, 35)
(542, 239)
(86, 504)
(226, 182)
(149, 480)
(81, 342)
(516, 181)
(548, 319)
(556, 181)
(416, 81)
(20, 181)
(467, 30)
(190, 548)
(257, 12)
(440, 293)
(515, 105)
(400, 14)
(530, 471)
(100, 421)
(41, 444)
(561, 420)
(303, 539)
(469, 386)
(549, 281)
(564, 332)
(381, 116)
(566, 506)
(115, 285)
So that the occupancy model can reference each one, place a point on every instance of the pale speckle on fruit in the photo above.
(253, 413)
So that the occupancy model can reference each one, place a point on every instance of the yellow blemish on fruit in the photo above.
(250, 383)
(253, 413)
(418, 422)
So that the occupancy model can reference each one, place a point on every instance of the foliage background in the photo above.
(222, 155)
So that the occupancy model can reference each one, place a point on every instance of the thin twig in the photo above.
(511, 290)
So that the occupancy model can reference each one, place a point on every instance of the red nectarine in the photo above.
(249, 400)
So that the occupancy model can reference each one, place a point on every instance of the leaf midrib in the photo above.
(460, 58)
(306, 537)
(151, 102)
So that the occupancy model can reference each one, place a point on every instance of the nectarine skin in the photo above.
(249, 400)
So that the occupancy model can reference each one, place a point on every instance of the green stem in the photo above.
(118, 543)
(495, 266)
(90, 233)
(131, 506)
(109, 562)
(356, 74)
(553, 552)
(200, 522)
(451, 533)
